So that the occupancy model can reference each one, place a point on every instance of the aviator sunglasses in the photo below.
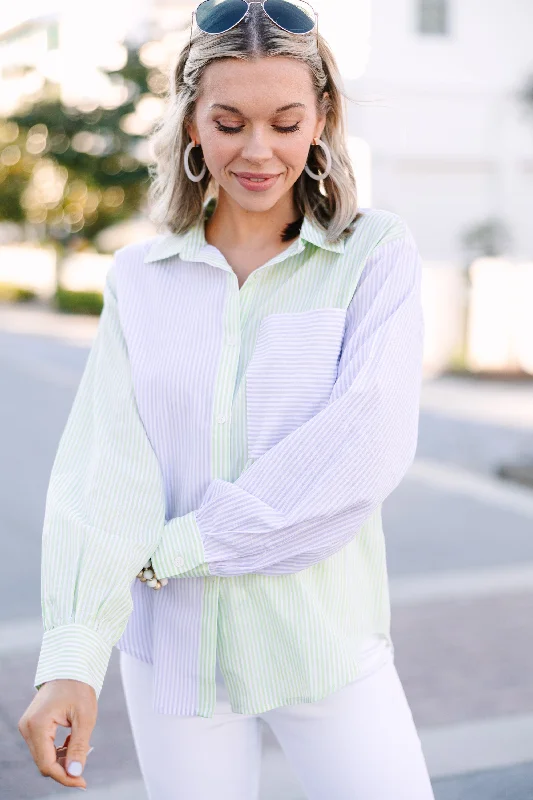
(219, 16)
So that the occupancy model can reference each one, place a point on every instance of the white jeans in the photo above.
(359, 743)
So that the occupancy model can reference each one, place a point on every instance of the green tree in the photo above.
(70, 171)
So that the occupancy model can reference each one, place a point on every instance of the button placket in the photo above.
(245, 300)
(227, 376)
(221, 448)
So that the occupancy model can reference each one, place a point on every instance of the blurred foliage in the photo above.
(15, 294)
(79, 302)
(526, 93)
(487, 238)
(72, 172)
(458, 361)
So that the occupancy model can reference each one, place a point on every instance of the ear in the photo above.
(322, 119)
(321, 124)
(192, 130)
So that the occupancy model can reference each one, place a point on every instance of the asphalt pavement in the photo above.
(460, 555)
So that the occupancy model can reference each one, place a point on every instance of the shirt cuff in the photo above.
(180, 549)
(76, 652)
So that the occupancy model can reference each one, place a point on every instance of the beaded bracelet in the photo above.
(148, 576)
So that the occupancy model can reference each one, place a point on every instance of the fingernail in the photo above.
(90, 750)
(75, 768)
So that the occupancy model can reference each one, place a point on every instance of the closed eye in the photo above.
(230, 129)
(291, 129)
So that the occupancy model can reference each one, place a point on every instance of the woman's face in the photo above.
(256, 121)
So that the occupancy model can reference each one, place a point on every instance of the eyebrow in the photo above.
(236, 110)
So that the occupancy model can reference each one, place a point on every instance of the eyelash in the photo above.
(225, 129)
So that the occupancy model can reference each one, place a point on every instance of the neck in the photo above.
(232, 225)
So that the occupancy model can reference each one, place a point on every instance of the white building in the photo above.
(451, 145)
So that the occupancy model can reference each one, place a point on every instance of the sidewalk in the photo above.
(510, 783)
(504, 402)
(37, 319)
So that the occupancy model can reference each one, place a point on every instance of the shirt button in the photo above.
(179, 561)
(221, 419)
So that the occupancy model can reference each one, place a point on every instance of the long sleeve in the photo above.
(104, 514)
(308, 495)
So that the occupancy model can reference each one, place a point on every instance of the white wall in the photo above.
(450, 144)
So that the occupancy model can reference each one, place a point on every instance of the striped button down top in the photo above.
(244, 438)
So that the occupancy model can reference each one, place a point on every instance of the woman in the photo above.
(250, 400)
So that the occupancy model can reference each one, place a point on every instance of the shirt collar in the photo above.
(188, 245)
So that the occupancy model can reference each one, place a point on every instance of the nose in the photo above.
(257, 148)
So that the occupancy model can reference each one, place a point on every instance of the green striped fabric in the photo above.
(244, 439)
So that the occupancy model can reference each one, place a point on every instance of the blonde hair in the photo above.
(176, 202)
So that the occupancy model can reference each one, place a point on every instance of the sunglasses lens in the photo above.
(217, 16)
(294, 17)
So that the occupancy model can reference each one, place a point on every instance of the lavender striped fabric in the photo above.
(244, 439)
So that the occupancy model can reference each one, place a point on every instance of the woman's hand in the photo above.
(71, 704)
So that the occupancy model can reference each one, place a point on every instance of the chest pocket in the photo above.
(291, 373)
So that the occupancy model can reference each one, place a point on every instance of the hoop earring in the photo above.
(190, 174)
(329, 162)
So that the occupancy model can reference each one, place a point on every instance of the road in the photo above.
(460, 556)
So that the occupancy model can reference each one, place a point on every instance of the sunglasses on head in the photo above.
(219, 16)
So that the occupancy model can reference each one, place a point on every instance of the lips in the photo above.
(256, 181)
(255, 175)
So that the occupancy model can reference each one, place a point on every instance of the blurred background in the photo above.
(440, 123)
